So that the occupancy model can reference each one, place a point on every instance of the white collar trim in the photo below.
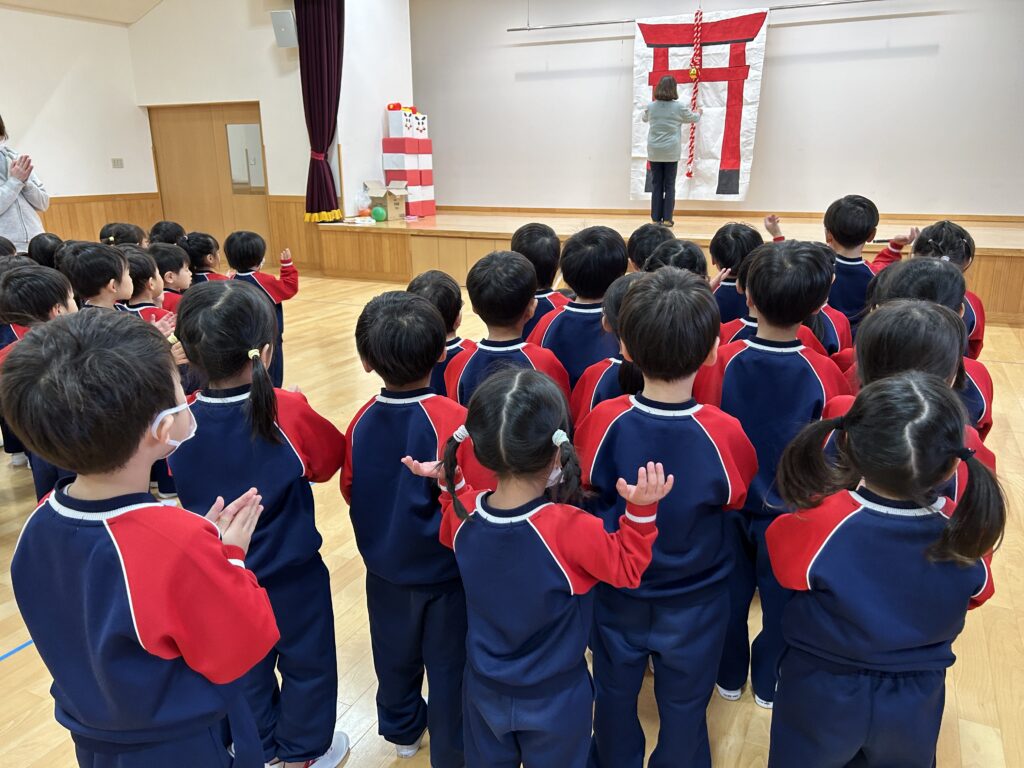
(594, 311)
(405, 400)
(766, 348)
(506, 520)
(222, 400)
(76, 514)
(934, 509)
(488, 348)
(663, 411)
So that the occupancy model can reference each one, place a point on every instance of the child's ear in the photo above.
(162, 430)
(604, 324)
(56, 311)
(963, 310)
(366, 365)
(624, 352)
(739, 290)
(458, 322)
(829, 240)
(712, 357)
(266, 355)
(114, 286)
(750, 302)
(530, 310)
(170, 278)
(871, 234)
(833, 277)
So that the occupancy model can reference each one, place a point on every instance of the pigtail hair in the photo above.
(976, 527)
(805, 476)
(262, 405)
(570, 487)
(450, 464)
(817, 325)
(631, 378)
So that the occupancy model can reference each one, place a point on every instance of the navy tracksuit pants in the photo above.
(684, 637)
(413, 629)
(276, 367)
(752, 569)
(825, 717)
(296, 719)
(45, 475)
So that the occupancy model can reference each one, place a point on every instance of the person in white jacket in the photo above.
(22, 196)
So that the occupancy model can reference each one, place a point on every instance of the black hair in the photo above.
(168, 257)
(681, 254)
(512, 419)
(14, 260)
(199, 245)
(541, 246)
(90, 266)
(501, 286)
(83, 389)
(948, 241)
(631, 380)
(118, 233)
(219, 324)
(441, 290)
(852, 220)
(732, 243)
(7, 247)
(29, 293)
(669, 323)
(593, 259)
(926, 279)
(788, 281)
(644, 240)
(245, 250)
(142, 268)
(43, 247)
(169, 232)
(902, 434)
(3, 129)
(816, 320)
(401, 335)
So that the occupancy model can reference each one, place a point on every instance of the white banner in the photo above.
(732, 45)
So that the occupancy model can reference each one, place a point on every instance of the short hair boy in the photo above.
(643, 241)
(147, 285)
(539, 243)
(441, 290)
(98, 273)
(172, 262)
(731, 244)
(681, 254)
(850, 223)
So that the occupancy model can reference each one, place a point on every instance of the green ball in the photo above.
(378, 213)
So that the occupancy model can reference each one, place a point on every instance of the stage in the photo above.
(454, 240)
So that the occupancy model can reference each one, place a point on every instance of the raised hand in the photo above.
(286, 256)
(432, 469)
(910, 237)
(166, 324)
(771, 223)
(716, 281)
(21, 168)
(651, 485)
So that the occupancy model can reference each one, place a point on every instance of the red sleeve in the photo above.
(583, 393)
(982, 379)
(319, 444)
(544, 360)
(988, 587)
(588, 554)
(282, 288)
(592, 430)
(541, 328)
(982, 453)
(171, 301)
(837, 406)
(844, 358)
(976, 341)
(809, 340)
(729, 330)
(795, 540)
(558, 299)
(7, 350)
(346, 470)
(842, 325)
(453, 373)
(735, 451)
(446, 416)
(450, 520)
(707, 385)
(886, 257)
(191, 596)
(832, 379)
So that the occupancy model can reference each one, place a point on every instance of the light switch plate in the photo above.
(117, 162)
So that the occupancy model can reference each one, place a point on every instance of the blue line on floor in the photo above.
(13, 651)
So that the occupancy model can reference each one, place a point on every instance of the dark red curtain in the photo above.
(321, 31)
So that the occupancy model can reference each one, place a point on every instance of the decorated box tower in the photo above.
(408, 157)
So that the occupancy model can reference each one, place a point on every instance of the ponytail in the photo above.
(450, 464)
(805, 476)
(570, 487)
(976, 527)
(817, 325)
(631, 378)
(262, 404)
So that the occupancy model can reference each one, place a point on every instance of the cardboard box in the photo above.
(391, 197)
(402, 146)
(411, 178)
(420, 193)
(423, 162)
(400, 125)
(394, 161)
(426, 178)
(423, 208)
(424, 146)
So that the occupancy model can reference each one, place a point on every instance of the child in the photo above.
(29, 297)
(870, 637)
(541, 246)
(117, 233)
(204, 256)
(642, 243)
(7, 248)
(147, 286)
(678, 614)
(246, 252)
(43, 247)
(8, 335)
(168, 232)
(591, 261)
(613, 377)
(247, 431)
(730, 245)
(414, 596)
(681, 254)
(850, 223)
(774, 385)
(98, 273)
(144, 614)
(528, 560)
(441, 290)
(172, 264)
(501, 290)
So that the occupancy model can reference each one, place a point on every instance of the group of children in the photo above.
(618, 465)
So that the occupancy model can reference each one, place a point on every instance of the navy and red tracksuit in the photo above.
(171, 300)
(547, 301)
(869, 630)
(732, 304)
(746, 328)
(468, 369)
(452, 347)
(679, 612)
(205, 277)
(296, 718)
(850, 289)
(9, 335)
(278, 290)
(598, 383)
(574, 333)
(836, 333)
(146, 621)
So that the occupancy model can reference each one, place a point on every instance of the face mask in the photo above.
(170, 412)
(554, 477)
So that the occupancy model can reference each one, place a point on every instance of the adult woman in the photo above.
(664, 146)
(21, 195)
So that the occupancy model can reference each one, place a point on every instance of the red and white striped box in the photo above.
(412, 178)
(424, 162)
(394, 161)
(426, 178)
(422, 208)
(402, 146)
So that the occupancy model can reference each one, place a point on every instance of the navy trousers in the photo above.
(412, 630)
(825, 718)
(663, 190)
(12, 443)
(543, 730)
(752, 569)
(684, 637)
(296, 718)
(276, 367)
(161, 475)
(45, 475)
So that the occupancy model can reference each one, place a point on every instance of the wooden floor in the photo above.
(984, 723)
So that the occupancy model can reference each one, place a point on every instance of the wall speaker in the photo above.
(284, 29)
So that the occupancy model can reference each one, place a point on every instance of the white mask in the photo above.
(170, 412)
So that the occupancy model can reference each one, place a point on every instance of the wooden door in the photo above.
(198, 180)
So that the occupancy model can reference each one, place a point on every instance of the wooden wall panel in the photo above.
(288, 229)
(381, 255)
(80, 217)
(423, 254)
(998, 279)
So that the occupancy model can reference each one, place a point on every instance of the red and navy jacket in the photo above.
(203, 277)
(697, 442)
(746, 328)
(452, 347)
(574, 333)
(837, 335)
(732, 304)
(547, 301)
(774, 388)
(598, 383)
(527, 572)
(277, 289)
(13, 334)
(868, 597)
(225, 459)
(396, 516)
(148, 311)
(468, 369)
(172, 299)
(850, 289)
(6, 335)
(140, 613)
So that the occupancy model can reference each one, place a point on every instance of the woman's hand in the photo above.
(21, 169)
(651, 485)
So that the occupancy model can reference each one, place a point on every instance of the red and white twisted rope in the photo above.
(696, 62)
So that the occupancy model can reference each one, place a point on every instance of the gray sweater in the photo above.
(664, 139)
(19, 201)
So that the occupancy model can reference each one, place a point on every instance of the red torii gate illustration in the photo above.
(736, 33)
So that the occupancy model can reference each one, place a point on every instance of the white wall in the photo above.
(919, 108)
(69, 102)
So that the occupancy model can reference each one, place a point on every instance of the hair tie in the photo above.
(964, 454)
(559, 438)
(461, 433)
(253, 354)
(840, 424)
(110, 239)
(172, 339)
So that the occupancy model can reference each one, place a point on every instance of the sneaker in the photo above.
(762, 703)
(19, 460)
(405, 751)
(728, 695)
(333, 756)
